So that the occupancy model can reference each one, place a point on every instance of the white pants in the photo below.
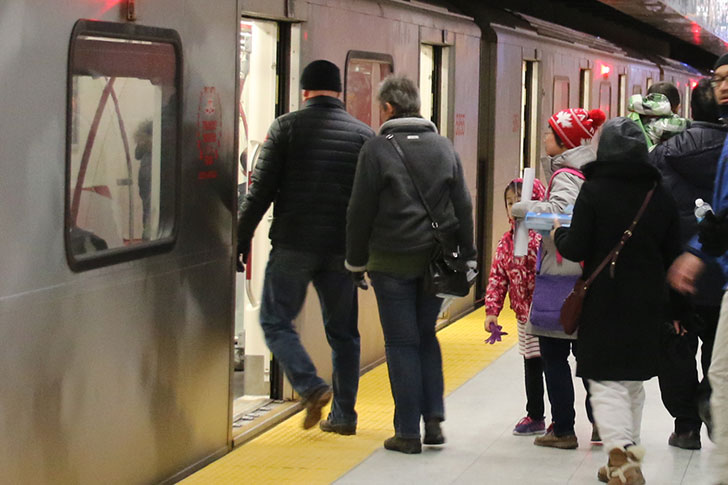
(718, 375)
(617, 407)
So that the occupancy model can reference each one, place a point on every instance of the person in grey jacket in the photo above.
(390, 235)
(568, 150)
(306, 166)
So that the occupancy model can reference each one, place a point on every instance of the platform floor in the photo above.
(485, 398)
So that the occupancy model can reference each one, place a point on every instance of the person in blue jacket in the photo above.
(712, 242)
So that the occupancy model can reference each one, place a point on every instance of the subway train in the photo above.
(130, 345)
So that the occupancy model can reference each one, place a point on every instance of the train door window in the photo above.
(364, 72)
(263, 47)
(122, 154)
(529, 114)
(585, 88)
(434, 85)
(605, 98)
(561, 94)
(622, 95)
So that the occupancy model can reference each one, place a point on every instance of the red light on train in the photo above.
(605, 70)
(693, 83)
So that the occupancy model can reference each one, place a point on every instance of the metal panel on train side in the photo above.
(465, 78)
(384, 28)
(118, 374)
(507, 132)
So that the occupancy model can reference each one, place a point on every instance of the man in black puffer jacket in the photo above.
(306, 168)
(688, 164)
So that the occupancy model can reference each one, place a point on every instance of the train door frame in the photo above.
(438, 86)
(530, 108)
(622, 94)
(285, 100)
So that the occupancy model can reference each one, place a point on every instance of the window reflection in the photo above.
(122, 138)
(362, 82)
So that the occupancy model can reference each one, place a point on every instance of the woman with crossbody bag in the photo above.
(628, 300)
(568, 150)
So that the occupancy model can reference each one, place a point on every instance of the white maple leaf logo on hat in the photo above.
(564, 119)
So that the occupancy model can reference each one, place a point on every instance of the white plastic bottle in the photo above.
(701, 209)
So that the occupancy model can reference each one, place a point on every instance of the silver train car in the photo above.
(123, 320)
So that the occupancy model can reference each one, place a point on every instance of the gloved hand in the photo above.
(520, 208)
(713, 234)
(496, 332)
(242, 256)
(359, 280)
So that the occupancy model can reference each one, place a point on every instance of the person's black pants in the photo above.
(559, 383)
(679, 386)
(533, 370)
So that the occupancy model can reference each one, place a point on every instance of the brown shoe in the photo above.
(328, 426)
(410, 446)
(623, 467)
(603, 474)
(566, 442)
(314, 403)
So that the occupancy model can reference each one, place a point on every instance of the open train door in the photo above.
(262, 47)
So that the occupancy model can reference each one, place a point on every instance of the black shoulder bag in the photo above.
(447, 271)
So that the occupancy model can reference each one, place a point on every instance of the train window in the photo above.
(622, 95)
(364, 72)
(561, 94)
(648, 83)
(434, 82)
(605, 98)
(122, 142)
(529, 114)
(686, 101)
(585, 88)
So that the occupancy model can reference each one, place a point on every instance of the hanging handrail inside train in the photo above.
(125, 140)
(76, 201)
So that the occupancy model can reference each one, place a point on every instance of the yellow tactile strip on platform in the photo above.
(288, 454)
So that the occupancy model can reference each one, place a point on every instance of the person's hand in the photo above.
(679, 329)
(242, 256)
(496, 332)
(488, 320)
(359, 280)
(684, 272)
(520, 208)
(557, 225)
(713, 234)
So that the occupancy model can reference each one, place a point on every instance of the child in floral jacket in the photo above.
(516, 276)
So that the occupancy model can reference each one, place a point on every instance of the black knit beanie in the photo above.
(722, 61)
(321, 76)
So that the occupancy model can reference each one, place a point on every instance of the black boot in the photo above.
(410, 446)
(433, 432)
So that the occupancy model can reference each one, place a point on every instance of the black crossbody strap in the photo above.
(401, 154)
(614, 253)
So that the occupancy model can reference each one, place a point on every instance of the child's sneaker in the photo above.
(528, 426)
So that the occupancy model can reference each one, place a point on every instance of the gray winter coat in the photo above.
(385, 212)
(564, 191)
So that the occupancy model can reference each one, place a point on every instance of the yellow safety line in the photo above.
(288, 454)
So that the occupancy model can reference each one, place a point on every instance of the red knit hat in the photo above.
(576, 126)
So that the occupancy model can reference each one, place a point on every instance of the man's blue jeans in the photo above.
(408, 318)
(287, 276)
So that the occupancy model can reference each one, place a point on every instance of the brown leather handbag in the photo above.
(571, 309)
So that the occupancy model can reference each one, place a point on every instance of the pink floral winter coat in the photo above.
(516, 276)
